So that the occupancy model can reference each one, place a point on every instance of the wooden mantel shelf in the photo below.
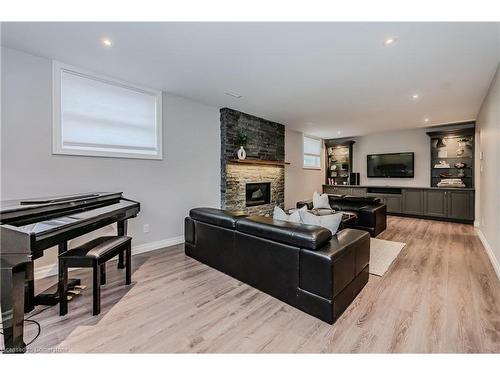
(259, 162)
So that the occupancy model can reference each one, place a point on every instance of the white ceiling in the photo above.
(320, 78)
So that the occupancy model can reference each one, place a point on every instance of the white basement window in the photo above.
(100, 116)
(312, 152)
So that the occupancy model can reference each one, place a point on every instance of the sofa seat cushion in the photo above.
(221, 218)
(294, 234)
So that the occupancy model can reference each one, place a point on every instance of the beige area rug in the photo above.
(382, 254)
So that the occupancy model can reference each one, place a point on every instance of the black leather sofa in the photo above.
(302, 265)
(370, 214)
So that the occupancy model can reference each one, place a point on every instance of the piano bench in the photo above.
(93, 254)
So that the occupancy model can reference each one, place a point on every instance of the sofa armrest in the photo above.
(308, 203)
(328, 270)
(189, 230)
(373, 216)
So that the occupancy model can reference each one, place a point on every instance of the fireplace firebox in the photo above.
(258, 193)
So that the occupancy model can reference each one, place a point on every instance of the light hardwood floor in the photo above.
(440, 295)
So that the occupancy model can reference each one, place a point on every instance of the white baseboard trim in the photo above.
(151, 246)
(51, 269)
(494, 261)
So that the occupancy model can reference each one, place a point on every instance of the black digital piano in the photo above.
(30, 226)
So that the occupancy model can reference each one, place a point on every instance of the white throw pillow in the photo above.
(279, 214)
(330, 222)
(320, 201)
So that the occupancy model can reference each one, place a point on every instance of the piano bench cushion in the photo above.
(97, 248)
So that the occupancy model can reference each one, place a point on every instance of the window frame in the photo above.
(57, 127)
(318, 155)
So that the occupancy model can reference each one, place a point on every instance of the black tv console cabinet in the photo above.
(452, 204)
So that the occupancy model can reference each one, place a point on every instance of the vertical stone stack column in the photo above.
(266, 141)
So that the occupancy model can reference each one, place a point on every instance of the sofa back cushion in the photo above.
(214, 216)
(358, 199)
(294, 234)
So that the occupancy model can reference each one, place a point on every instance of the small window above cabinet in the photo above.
(452, 157)
(338, 161)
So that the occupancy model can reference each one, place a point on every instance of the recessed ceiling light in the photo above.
(426, 119)
(338, 132)
(107, 42)
(237, 96)
(415, 96)
(389, 41)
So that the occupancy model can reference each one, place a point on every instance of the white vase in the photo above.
(242, 154)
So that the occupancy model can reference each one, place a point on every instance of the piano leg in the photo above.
(29, 288)
(122, 231)
(12, 300)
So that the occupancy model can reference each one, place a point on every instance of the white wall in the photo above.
(488, 124)
(188, 176)
(300, 183)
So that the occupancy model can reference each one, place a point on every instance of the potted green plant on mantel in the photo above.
(242, 141)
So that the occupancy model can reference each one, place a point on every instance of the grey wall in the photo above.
(488, 129)
(187, 176)
(300, 183)
(414, 140)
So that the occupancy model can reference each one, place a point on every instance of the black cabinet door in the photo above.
(393, 204)
(435, 203)
(412, 201)
(460, 205)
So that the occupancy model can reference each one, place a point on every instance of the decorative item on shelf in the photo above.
(464, 142)
(334, 174)
(442, 153)
(460, 165)
(242, 154)
(242, 141)
(461, 173)
(440, 143)
(442, 164)
(451, 183)
(333, 167)
(445, 175)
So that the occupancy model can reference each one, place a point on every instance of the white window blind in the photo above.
(312, 152)
(98, 116)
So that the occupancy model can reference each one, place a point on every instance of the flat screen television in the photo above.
(397, 165)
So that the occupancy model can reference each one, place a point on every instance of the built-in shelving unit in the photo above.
(454, 150)
(338, 161)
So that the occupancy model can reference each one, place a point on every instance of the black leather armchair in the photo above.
(370, 214)
(302, 265)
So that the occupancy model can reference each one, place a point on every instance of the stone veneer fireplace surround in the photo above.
(266, 142)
